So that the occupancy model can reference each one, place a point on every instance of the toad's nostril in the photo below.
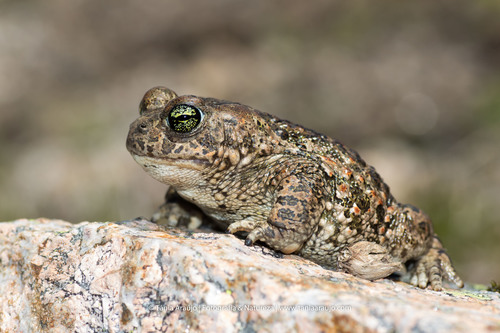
(143, 127)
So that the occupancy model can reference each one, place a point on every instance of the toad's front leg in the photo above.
(177, 212)
(293, 216)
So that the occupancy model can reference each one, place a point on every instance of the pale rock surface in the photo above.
(137, 277)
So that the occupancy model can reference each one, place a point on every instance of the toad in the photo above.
(296, 190)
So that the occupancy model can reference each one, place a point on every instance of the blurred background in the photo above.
(414, 86)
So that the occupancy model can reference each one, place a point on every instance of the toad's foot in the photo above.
(433, 266)
(277, 238)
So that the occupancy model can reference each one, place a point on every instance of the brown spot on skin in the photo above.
(343, 188)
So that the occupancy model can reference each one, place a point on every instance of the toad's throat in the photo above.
(182, 174)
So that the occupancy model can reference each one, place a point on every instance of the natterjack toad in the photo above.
(289, 187)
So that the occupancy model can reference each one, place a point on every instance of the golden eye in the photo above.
(184, 118)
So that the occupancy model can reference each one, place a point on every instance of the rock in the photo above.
(135, 276)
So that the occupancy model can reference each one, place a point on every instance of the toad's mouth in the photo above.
(158, 162)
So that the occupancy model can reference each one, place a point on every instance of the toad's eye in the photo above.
(184, 118)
